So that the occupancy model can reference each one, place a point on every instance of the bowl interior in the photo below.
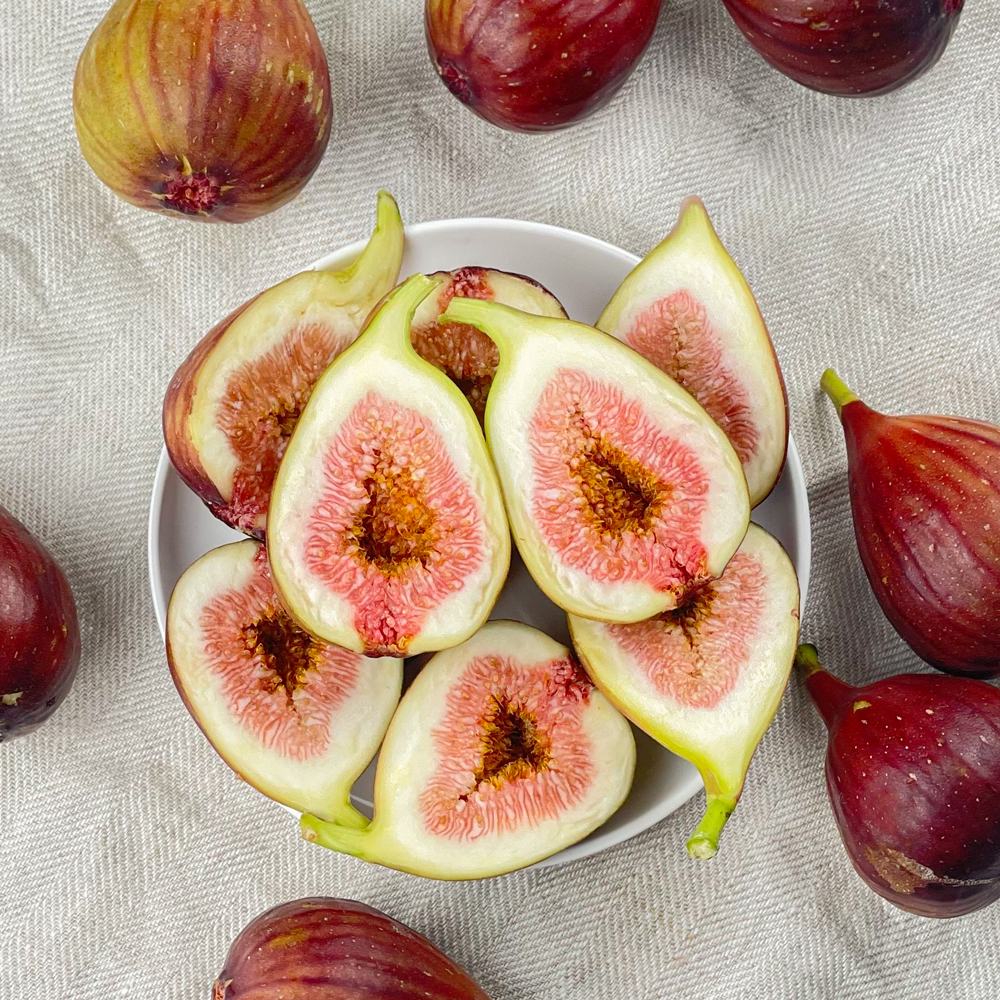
(583, 273)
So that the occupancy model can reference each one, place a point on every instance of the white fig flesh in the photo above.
(297, 718)
(706, 679)
(233, 404)
(501, 753)
(688, 309)
(387, 533)
(622, 493)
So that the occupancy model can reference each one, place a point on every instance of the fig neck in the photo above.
(389, 328)
(829, 693)
(832, 384)
(497, 321)
(377, 266)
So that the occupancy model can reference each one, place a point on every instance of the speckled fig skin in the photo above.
(536, 65)
(335, 949)
(39, 633)
(216, 110)
(848, 48)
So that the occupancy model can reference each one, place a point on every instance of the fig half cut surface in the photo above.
(387, 532)
(706, 679)
(466, 355)
(298, 718)
(688, 309)
(232, 405)
(501, 753)
(622, 493)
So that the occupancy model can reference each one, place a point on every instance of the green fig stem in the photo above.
(807, 659)
(829, 694)
(704, 842)
(832, 384)
(379, 261)
(389, 325)
(347, 816)
(346, 840)
(495, 320)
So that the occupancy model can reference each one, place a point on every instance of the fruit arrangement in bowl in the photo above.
(408, 459)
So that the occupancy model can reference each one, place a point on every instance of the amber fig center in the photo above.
(513, 746)
(286, 651)
(692, 612)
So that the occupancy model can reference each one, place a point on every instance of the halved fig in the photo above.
(298, 718)
(688, 309)
(501, 753)
(232, 405)
(623, 494)
(466, 355)
(387, 532)
(705, 679)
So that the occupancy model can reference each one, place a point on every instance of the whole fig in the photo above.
(321, 949)
(39, 634)
(925, 494)
(210, 109)
(535, 65)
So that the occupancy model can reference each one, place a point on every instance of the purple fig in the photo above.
(925, 493)
(913, 773)
(335, 949)
(39, 634)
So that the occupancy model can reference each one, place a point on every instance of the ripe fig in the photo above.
(687, 308)
(337, 949)
(706, 679)
(232, 405)
(39, 633)
(913, 772)
(466, 355)
(216, 110)
(849, 48)
(623, 494)
(536, 65)
(501, 753)
(298, 718)
(387, 532)
(925, 494)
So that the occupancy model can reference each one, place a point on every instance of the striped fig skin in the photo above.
(537, 65)
(209, 109)
(337, 949)
(925, 495)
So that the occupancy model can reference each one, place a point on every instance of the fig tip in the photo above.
(807, 659)
(703, 844)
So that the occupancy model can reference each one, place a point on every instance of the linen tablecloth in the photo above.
(129, 855)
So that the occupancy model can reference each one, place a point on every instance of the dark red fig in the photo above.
(39, 634)
(913, 772)
(337, 949)
(925, 492)
(850, 48)
(535, 65)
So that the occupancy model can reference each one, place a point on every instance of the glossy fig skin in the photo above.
(322, 948)
(925, 495)
(39, 633)
(537, 65)
(848, 48)
(214, 110)
(913, 774)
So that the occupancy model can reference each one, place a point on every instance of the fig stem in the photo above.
(829, 694)
(334, 836)
(704, 842)
(807, 659)
(832, 384)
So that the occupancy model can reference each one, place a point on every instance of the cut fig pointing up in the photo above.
(298, 718)
(688, 309)
(466, 355)
(623, 494)
(387, 532)
(232, 405)
(500, 754)
(706, 678)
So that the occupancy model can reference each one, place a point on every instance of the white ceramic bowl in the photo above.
(583, 273)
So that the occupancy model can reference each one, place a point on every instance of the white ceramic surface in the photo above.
(583, 273)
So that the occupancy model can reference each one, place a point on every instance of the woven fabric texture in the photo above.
(129, 855)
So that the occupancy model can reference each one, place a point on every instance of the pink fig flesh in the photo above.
(39, 634)
(536, 65)
(925, 495)
(913, 773)
(851, 48)
(322, 948)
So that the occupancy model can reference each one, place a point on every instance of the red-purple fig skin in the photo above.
(913, 773)
(537, 65)
(39, 632)
(849, 48)
(925, 495)
(337, 949)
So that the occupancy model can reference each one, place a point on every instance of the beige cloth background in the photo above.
(129, 855)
